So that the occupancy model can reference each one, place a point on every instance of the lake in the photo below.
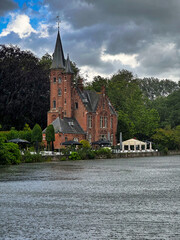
(137, 198)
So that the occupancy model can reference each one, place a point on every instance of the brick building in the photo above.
(76, 113)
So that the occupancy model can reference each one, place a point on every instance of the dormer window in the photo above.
(54, 79)
(59, 80)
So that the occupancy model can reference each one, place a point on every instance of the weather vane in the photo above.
(58, 21)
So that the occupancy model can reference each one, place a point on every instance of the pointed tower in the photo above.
(61, 76)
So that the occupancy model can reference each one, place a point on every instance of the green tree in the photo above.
(36, 136)
(50, 135)
(97, 84)
(24, 87)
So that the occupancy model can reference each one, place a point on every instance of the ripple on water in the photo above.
(103, 199)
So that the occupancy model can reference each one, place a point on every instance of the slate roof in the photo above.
(68, 66)
(58, 55)
(66, 125)
(91, 99)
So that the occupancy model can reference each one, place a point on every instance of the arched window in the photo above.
(54, 103)
(59, 92)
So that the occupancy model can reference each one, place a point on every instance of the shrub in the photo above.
(86, 153)
(31, 158)
(85, 143)
(74, 156)
(9, 153)
(104, 152)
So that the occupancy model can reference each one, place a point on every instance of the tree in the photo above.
(97, 84)
(36, 136)
(50, 135)
(153, 87)
(24, 87)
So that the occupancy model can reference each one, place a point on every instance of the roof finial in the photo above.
(58, 21)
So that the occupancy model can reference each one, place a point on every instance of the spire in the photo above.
(68, 65)
(58, 55)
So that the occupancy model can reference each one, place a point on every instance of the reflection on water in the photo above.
(101, 199)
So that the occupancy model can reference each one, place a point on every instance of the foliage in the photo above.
(74, 156)
(86, 153)
(153, 87)
(172, 103)
(26, 127)
(24, 86)
(50, 135)
(31, 158)
(167, 138)
(9, 153)
(85, 143)
(36, 134)
(104, 152)
(97, 84)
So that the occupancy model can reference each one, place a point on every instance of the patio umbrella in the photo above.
(18, 141)
(71, 143)
(101, 142)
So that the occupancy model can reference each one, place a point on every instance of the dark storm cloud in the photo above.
(7, 5)
(123, 26)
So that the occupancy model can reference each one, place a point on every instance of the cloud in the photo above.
(104, 36)
(19, 24)
(7, 5)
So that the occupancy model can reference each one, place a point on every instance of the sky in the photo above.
(101, 36)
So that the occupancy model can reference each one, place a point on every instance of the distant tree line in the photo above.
(143, 105)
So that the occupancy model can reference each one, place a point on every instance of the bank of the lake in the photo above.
(127, 198)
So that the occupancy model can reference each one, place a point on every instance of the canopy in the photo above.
(133, 141)
(101, 143)
(71, 142)
(18, 140)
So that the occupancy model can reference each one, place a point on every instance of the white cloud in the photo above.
(124, 59)
(19, 24)
(43, 30)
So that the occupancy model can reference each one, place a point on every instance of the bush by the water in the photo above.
(104, 152)
(74, 156)
(9, 153)
(31, 158)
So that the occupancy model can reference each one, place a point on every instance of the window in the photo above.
(65, 77)
(101, 122)
(111, 140)
(66, 139)
(90, 121)
(59, 92)
(44, 137)
(76, 105)
(65, 101)
(103, 137)
(54, 104)
(54, 79)
(64, 113)
(65, 90)
(89, 138)
(111, 122)
(105, 122)
(76, 139)
(59, 80)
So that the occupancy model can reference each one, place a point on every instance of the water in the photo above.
(101, 199)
